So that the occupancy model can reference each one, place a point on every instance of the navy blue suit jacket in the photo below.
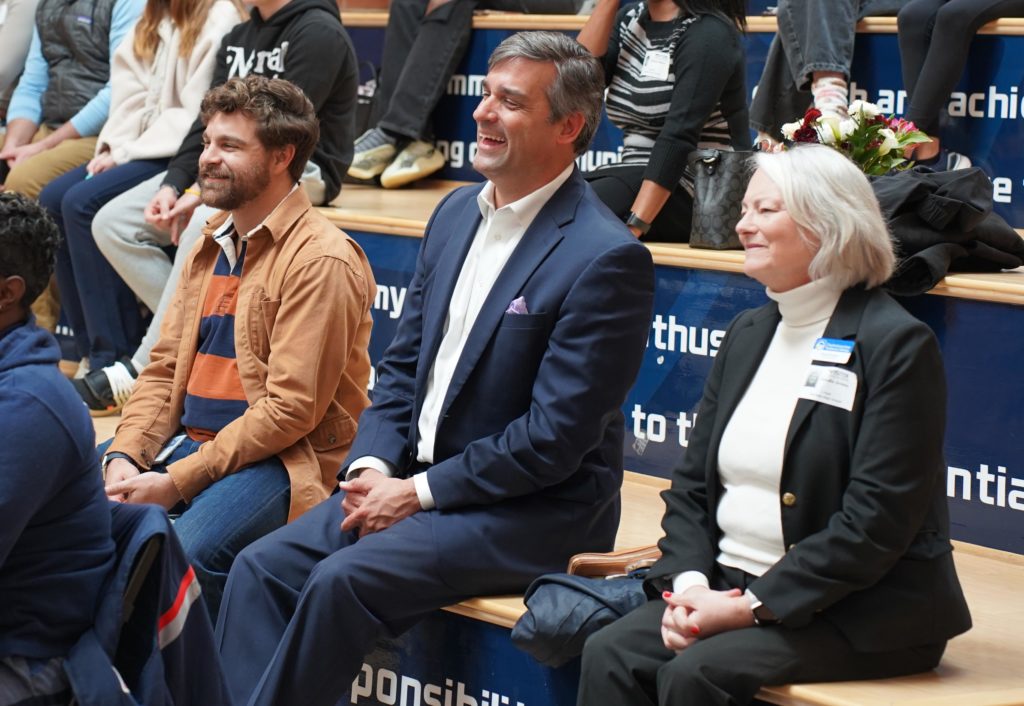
(531, 421)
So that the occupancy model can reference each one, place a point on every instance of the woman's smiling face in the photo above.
(777, 255)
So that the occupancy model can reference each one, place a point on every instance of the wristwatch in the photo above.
(634, 221)
(763, 615)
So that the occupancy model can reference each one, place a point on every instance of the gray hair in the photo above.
(578, 86)
(831, 200)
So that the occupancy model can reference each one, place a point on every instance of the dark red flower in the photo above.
(806, 133)
(811, 115)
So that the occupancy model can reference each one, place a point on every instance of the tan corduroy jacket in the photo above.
(302, 326)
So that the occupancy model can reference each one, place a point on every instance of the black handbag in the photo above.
(720, 179)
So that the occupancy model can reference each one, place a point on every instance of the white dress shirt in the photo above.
(750, 454)
(496, 237)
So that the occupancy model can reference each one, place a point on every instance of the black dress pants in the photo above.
(627, 664)
(421, 52)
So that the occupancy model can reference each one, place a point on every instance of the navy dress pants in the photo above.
(306, 603)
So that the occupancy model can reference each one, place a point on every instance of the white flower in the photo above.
(789, 129)
(828, 130)
(868, 110)
(889, 141)
(847, 127)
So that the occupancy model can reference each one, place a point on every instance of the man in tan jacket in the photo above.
(250, 402)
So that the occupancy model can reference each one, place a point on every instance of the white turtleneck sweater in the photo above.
(751, 452)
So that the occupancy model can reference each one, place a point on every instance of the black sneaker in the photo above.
(106, 390)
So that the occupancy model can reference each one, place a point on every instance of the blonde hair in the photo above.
(188, 16)
(831, 201)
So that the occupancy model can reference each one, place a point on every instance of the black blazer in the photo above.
(862, 494)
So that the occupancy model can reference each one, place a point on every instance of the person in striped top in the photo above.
(676, 82)
(252, 396)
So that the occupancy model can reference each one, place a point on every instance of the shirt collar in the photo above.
(525, 209)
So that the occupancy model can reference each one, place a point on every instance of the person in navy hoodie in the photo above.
(55, 544)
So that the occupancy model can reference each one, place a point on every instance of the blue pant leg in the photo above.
(263, 591)
(108, 307)
(51, 198)
(228, 516)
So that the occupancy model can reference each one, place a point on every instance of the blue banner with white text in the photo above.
(981, 344)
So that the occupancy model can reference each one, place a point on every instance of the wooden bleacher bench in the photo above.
(489, 19)
(361, 208)
(980, 668)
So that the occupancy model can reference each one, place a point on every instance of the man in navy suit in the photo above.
(493, 449)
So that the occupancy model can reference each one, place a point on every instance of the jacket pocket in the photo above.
(262, 315)
(333, 433)
(524, 321)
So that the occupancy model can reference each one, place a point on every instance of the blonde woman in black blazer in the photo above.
(806, 531)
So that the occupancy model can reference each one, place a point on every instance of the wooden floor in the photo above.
(105, 427)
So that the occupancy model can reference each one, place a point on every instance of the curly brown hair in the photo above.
(282, 113)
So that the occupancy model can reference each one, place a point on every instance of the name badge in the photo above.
(656, 65)
(833, 386)
(832, 350)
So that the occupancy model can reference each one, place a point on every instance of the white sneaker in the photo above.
(374, 151)
(419, 159)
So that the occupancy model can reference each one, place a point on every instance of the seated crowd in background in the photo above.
(675, 71)
(243, 436)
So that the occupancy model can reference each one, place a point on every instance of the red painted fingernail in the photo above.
(666, 595)
(695, 630)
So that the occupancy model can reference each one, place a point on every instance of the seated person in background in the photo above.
(301, 41)
(935, 37)
(157, 78)
(62, 100)
(247, 421)
(675, 76)
(809, 61)
(16, 22)
(493, 449)
(63, 96)
(55, 545)
(423, 44)
(806, 531)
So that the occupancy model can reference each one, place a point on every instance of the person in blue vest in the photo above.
(55, 544)
(63, 96)
(493, 448)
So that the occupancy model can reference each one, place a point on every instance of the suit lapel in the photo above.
(843, 324)
(543, 236)
(445, 275)
(746, 351)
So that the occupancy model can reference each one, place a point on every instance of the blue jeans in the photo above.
(814, 35)
(226, 517)
(100, 307)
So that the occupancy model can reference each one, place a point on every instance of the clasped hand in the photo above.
(373, 502)
(126, 484)
(699, 612)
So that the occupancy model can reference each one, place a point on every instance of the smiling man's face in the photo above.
(516, 140)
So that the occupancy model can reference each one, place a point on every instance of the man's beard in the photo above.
(237, 189)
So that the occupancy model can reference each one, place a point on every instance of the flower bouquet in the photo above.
(874, 142)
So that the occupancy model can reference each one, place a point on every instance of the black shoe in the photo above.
(106, 390)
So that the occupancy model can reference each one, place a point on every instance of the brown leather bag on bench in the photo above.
(620, 563)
